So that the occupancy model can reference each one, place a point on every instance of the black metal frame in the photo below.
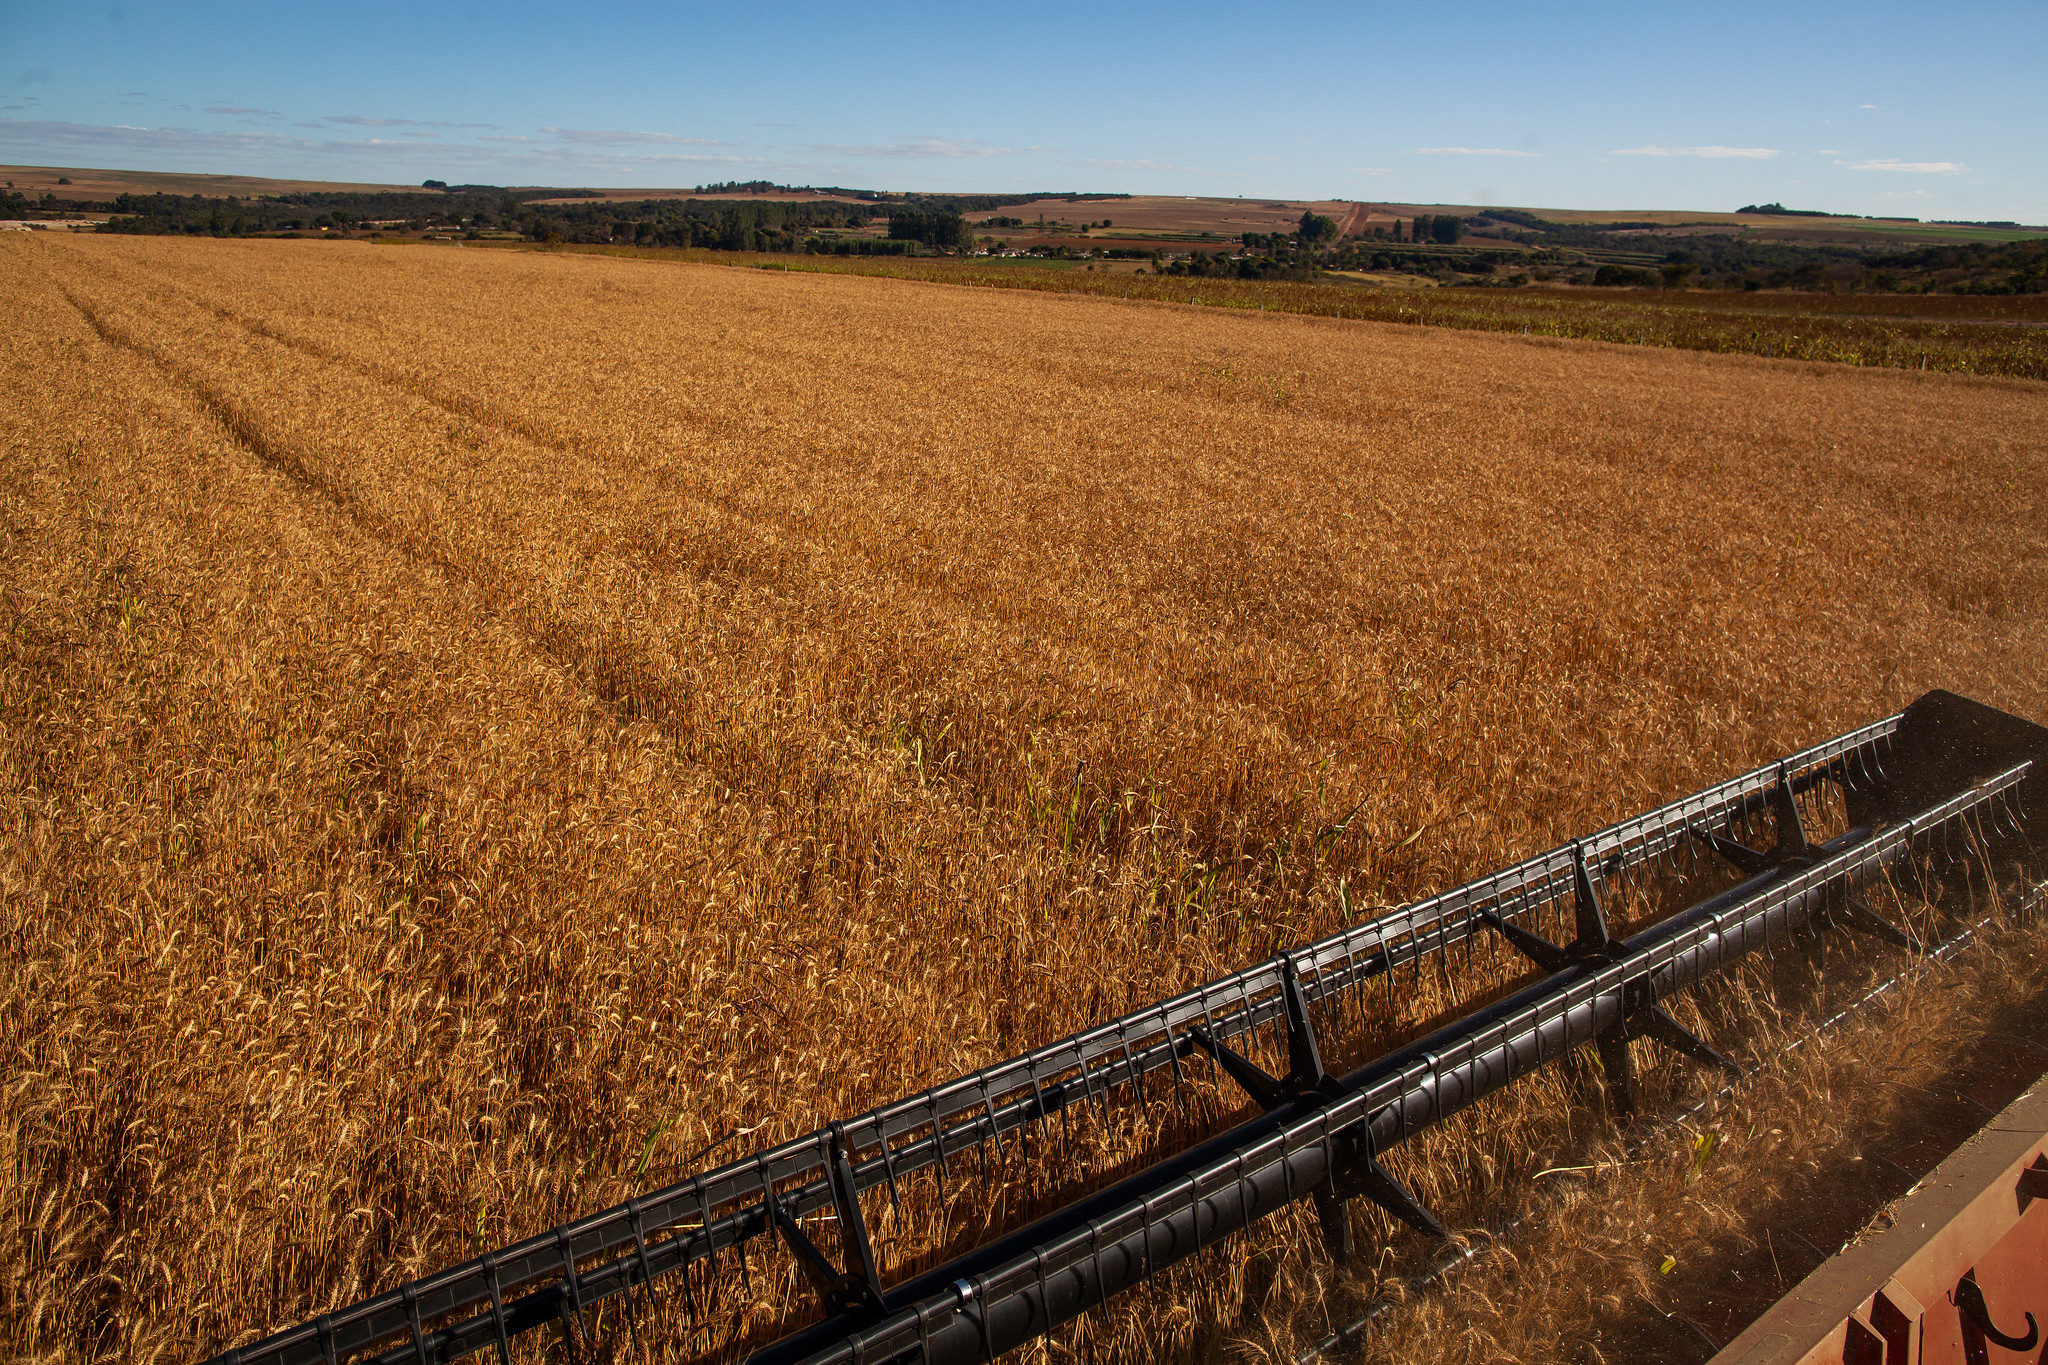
(1599, 990)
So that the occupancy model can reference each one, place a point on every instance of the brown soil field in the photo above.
(1673, 217)
(477, 728)
(1794, 228)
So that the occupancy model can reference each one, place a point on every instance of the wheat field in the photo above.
(480, 728)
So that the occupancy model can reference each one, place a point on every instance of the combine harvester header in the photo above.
(1946, 784)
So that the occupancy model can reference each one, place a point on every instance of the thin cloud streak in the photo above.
(1468, 151)
(1911, 167)
(1094, 163)
(358, 121)
(1711, 153)
(920, 147)
(545, 157)
(610, 137)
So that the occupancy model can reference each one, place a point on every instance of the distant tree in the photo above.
(939, 229)
(1813, 275)
(1317, 228)
(1621, 277)
(1421, 228)
(433, 184)
(1447, 228)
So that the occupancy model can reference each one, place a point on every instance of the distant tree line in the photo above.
(952, 203)
(933, 227)
(932, 221)
(770, 187)
(1613, 255)
(1974, 268)
(200, 215)
(711, 224)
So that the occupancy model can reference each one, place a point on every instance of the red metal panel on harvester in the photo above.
(1960, 1277)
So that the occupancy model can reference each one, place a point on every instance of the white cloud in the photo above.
(53, 134)
(1866, 106)
(1106, 164)
(529, 161)
(238, 109)
(1711, 153)
(358, 121)
(921, 147)
(1888, 163)
(1828, 151)
(1467, 151)
(611, 137)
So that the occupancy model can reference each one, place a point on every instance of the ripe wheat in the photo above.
(481, 729)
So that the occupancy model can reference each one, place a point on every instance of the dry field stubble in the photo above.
(480, 728)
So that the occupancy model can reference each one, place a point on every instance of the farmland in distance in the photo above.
(480, 728)
(1966, 334)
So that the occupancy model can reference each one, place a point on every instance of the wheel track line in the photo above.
(561, 647)
(872, 567)
(485, 413)
(613, 668)
(471, 407)
(251, 438)
(382, 774)
(890, 565)
(455, 404)
(632, 694)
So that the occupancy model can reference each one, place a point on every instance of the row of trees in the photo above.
(201, 215)
(937, 228)
(931, 221)
(1445, 228)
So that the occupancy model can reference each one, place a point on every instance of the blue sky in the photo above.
(1880, 108)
